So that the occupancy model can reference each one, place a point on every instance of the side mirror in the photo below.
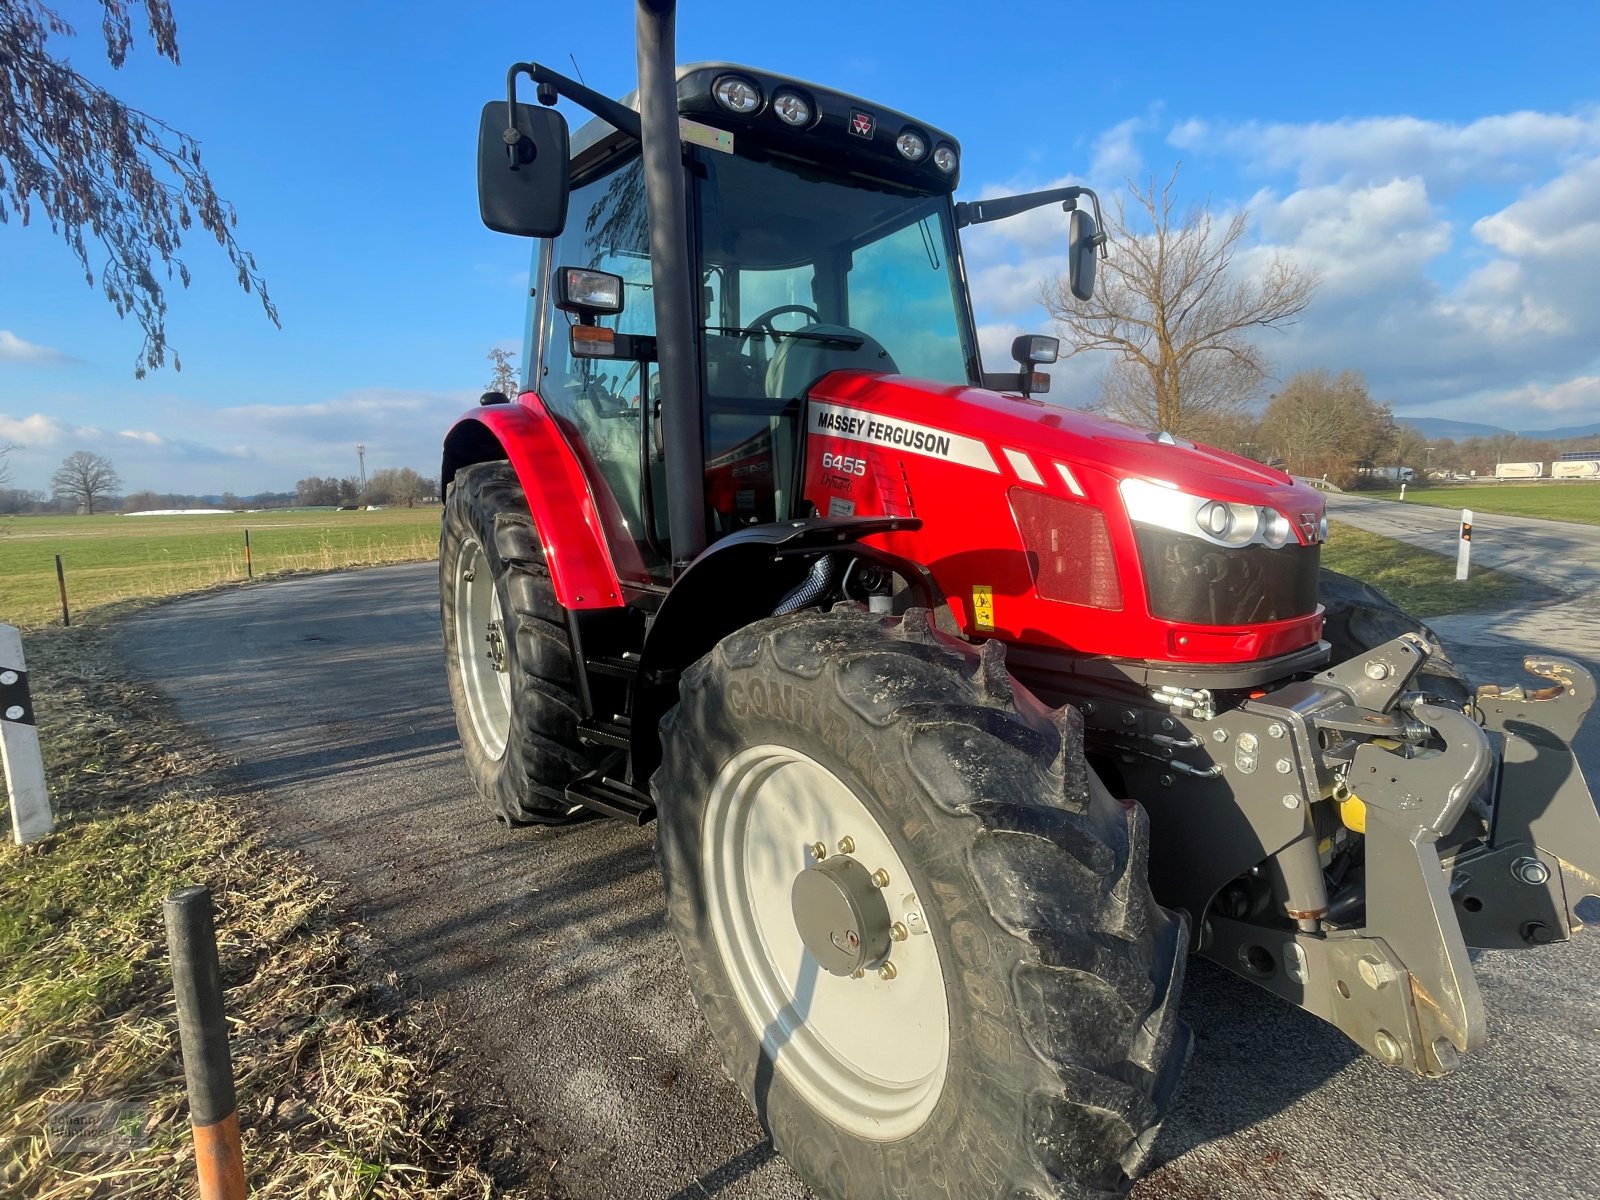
(524, 172)
(1083, 245)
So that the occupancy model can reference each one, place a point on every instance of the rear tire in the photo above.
(1035, 1045)
(507, 655)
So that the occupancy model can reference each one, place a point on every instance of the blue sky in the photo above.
(1438, 164)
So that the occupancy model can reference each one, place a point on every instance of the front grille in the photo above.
(1191, 580)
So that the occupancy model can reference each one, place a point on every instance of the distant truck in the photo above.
(1576, 468)
(1521, 470)
(1394, 474)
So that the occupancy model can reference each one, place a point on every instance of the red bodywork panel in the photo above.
(975, 465)
(570, 521)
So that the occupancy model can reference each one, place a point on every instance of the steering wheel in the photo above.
(762, 326)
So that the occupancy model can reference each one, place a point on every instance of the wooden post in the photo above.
(61, 581)
(249, 568)
(203, 1034)
(1464, 546)
(31, 818)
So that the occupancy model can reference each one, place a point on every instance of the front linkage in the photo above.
(1365, 837)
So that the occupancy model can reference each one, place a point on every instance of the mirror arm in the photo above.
(979, 212)
(553, 83)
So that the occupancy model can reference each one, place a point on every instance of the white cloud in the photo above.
(14, 349)
(1500, 149)
(1115, 154)
(1479, 302)
(37, 430)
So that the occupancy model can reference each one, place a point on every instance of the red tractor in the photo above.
(965, 718)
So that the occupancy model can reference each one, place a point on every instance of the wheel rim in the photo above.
(868, 1053)
(481, 650)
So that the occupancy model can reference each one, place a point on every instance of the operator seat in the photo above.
(800, 362)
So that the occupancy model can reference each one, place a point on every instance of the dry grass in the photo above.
(335, 1081)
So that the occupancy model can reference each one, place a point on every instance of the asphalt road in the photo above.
(548, 956)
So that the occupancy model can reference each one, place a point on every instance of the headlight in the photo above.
(791, 108)
(945, 159)
(737, 95)
(1217, 521)
(912, 146)
(1275, 529)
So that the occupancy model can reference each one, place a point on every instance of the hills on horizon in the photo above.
(1443, 427)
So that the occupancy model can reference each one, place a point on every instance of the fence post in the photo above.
(1464, 546)
(61, 581)
(249, 568)
(203, 1033)
(31, 818)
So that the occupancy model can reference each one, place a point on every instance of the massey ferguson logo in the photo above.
(861, 123)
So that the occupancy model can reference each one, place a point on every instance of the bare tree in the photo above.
(397, 485)
(84, 478)
(95, 168)
(1326, 424)
(5, 467)
(1170, 306)
(504, 380)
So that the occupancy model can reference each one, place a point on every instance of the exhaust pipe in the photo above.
(672, 275)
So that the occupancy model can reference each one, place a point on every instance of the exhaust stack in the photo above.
(671, 273)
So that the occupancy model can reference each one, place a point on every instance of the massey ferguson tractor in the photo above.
(964, 718)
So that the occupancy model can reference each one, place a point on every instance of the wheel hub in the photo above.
(497, 646)
(841, 915)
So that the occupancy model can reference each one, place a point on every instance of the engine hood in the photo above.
(1089, 445)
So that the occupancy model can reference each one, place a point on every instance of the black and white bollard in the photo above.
(1464, 546)
(31, 818)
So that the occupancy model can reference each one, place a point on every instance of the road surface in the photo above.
(548, 956)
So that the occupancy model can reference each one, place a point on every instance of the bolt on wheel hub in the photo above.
(841, 915)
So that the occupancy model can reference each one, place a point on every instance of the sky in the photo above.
(1437, 164)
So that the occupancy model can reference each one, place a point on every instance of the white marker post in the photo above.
(31, 818)
(1464, 546)
(1402, 491)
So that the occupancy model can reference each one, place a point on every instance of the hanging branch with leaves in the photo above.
(105, 174)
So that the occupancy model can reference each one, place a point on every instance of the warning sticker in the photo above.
(858, 426)
(838, 506)
(983, 606)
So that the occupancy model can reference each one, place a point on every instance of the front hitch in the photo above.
(1470, 835)
(1523, 884)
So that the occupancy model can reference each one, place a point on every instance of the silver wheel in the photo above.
(869, 1051)
(481, 650)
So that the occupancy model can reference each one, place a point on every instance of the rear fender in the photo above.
(738, 580)
(563, 505)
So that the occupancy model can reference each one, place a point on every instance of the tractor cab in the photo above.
(823, 237)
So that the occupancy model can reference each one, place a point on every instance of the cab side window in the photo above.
(598, 399)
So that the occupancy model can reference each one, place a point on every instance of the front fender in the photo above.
(563, 505)
(738, 580)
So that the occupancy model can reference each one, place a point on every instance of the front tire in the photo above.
(1359, 618)
(508, 659)
(1027, 1043)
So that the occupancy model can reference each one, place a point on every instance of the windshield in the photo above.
(803, 273)
(797, 264)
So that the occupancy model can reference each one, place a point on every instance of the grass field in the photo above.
(111, 558)
(1575, 501)
(1419, 581)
